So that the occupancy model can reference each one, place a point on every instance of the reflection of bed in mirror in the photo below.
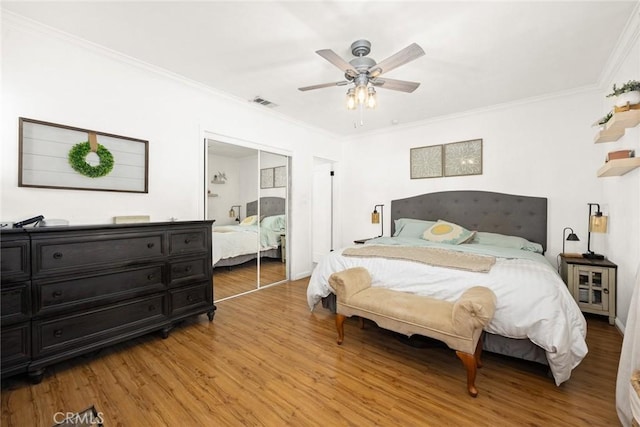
(237, 244)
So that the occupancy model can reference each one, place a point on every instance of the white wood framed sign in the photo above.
(58, 156)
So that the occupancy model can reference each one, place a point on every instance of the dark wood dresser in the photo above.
(72, 290)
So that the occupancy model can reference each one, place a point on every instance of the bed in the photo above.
(536, 317)
(237, 244)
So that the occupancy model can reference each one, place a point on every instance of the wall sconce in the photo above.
(378, 218)
(570, 238)
(232, 212)
(597, 224)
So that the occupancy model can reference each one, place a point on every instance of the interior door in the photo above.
(322, 209)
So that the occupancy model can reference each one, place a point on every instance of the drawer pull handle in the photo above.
(151, 276)
(188, 269)
(57, 333)
(152, 307)
(150, 245)
(57, 255)
(187, 241)
(57, 294)
(190, 298)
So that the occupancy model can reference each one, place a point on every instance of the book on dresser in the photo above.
(72, 290)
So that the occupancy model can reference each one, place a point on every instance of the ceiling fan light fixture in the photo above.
(361, 93)
(372, 99)
(351, 99)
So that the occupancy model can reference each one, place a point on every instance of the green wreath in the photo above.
(77, 160)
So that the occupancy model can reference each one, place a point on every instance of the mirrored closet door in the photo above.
(247, 195)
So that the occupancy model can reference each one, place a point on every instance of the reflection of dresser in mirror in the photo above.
(249, 246)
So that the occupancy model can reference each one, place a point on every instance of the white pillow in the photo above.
(250, 220)
(447, 232)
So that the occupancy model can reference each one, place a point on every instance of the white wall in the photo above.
(621, 195)
(49, 76)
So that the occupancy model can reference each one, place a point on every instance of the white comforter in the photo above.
(234, 240)
(532, 300)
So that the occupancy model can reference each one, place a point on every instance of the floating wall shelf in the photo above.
(619, 167)
(614, 129)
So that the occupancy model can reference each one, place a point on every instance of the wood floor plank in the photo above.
(266, 360)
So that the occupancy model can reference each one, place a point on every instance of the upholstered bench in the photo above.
(458, 324)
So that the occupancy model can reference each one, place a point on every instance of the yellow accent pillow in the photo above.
(447, 232)
(250, 220)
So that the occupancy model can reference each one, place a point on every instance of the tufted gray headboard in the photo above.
(522, 216)
(268, 206)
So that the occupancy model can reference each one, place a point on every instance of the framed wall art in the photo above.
(463, 158)
(426, 162)
(280, 176)
(58, 156)
(266, 178)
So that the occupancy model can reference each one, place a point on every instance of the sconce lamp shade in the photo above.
(233, 214)
(572, 237)
(597, 224)
(378, 218)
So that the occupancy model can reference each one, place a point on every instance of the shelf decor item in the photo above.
(627, 94)
(64, 157)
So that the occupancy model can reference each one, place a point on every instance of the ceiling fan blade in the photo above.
(322, 85)
(409, 53)
(336, 60)
(401, 85)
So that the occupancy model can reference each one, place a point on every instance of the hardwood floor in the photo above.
(244, 277)
(267, 360)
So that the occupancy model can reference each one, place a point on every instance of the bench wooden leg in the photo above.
(471, 363)
(340, 326)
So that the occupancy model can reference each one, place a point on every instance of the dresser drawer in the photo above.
(190, 299)
(94, 290)
(15, 262)
(15, 303)
(189, 241)
(108, 323)
(86, 253)
(188, 271)
(15, 345)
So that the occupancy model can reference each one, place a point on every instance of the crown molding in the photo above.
(623, 48)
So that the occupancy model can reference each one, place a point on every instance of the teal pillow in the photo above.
(274, 222)
(505, 241)
(447, 232)
(408, 227)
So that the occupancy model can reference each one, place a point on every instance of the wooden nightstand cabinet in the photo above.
(592, 283)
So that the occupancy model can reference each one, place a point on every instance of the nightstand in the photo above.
(592, 282)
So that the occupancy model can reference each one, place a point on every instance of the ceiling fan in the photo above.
(363, 71)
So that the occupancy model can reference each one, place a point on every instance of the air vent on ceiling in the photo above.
(262, 101)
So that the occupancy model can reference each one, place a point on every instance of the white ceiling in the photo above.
(477, 53)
